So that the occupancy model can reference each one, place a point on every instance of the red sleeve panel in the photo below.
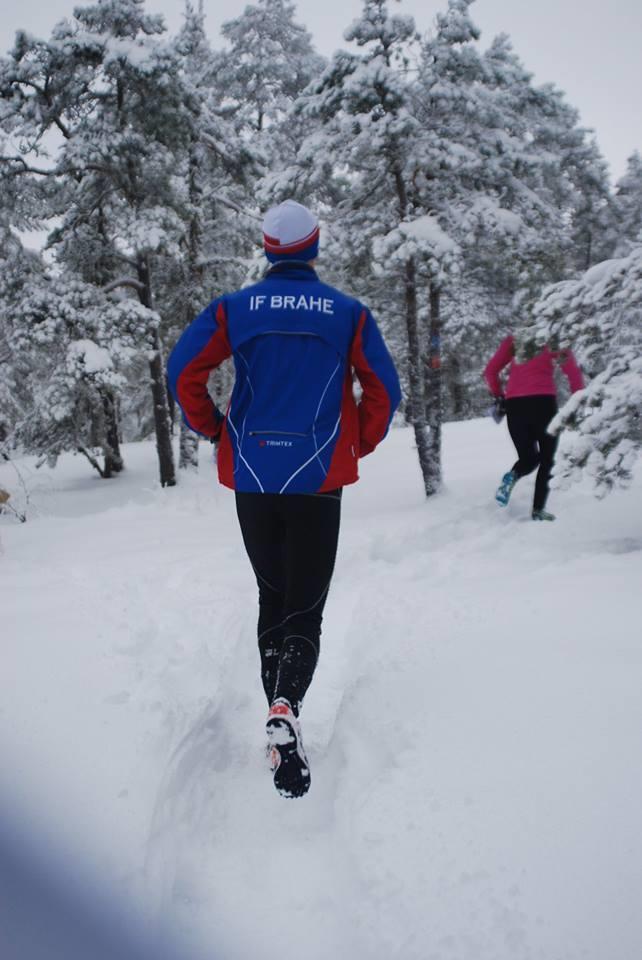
(378, 378)
(201, 348)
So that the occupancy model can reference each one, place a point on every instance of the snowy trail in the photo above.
(473, 726)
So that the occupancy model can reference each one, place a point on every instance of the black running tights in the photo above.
(528, 418)
(291, 540)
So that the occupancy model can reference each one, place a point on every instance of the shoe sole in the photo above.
(292, 773)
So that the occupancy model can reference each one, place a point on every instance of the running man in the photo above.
(290, 440)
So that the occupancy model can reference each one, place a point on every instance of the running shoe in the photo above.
(286, 755)
(505, 488)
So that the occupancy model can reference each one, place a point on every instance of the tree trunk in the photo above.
(188, 446)
(188, 449)
(589, 250)
(171, 406)
(457, 393)
(81, 448)
(415, 384)
(111, 441)
(433, 393)
(162, 421)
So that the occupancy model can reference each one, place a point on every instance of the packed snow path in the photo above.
(474, 725)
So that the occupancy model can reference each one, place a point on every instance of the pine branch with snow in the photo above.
(599, 316)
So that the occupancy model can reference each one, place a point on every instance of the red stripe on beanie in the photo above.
(273, 245)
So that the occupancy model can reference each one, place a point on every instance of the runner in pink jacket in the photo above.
(530, 402)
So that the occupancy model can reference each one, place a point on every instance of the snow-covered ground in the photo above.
(474, 726)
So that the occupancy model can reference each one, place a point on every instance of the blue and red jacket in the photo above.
(293, 424)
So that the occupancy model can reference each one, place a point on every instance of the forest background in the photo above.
(458, 198)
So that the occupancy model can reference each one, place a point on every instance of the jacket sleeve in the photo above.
(572, 371)
(496, 364)
(376, 373)
(202, 347)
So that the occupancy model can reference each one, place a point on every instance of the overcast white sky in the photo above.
(591, 49)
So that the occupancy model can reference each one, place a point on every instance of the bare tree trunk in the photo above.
(171, 406)
(162, 421)
(188, 445)
(415, 383)
(81, 448)
(457, 393)
(188, 449)
(111, 442)
(434, 394)
(589, 250)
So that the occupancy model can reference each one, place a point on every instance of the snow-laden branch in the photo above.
(124, 282)
(599, 315)
(208, 261)
(42, 92)
(53, 171)
(125, 259)
(237, 208)
(25, 168)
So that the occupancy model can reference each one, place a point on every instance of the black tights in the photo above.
(528, 418)
(291, 540)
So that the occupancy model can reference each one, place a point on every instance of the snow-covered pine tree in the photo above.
(87, 256)
(77, 344)
(21, 204)
(219, 169)
(627, 204)
(195, 54)
(362, 161)
(269, 61)
(449, 103)
(18, 267)
(534, 192)
(446, 174)
(109, 85)
(599, 316)
(592, 211)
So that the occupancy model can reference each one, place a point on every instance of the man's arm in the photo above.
(201, 348)
(378, 378)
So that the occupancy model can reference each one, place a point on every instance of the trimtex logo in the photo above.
(275, 443)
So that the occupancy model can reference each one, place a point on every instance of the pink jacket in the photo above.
(533, 378)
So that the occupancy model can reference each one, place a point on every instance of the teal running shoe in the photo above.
(505, 488)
